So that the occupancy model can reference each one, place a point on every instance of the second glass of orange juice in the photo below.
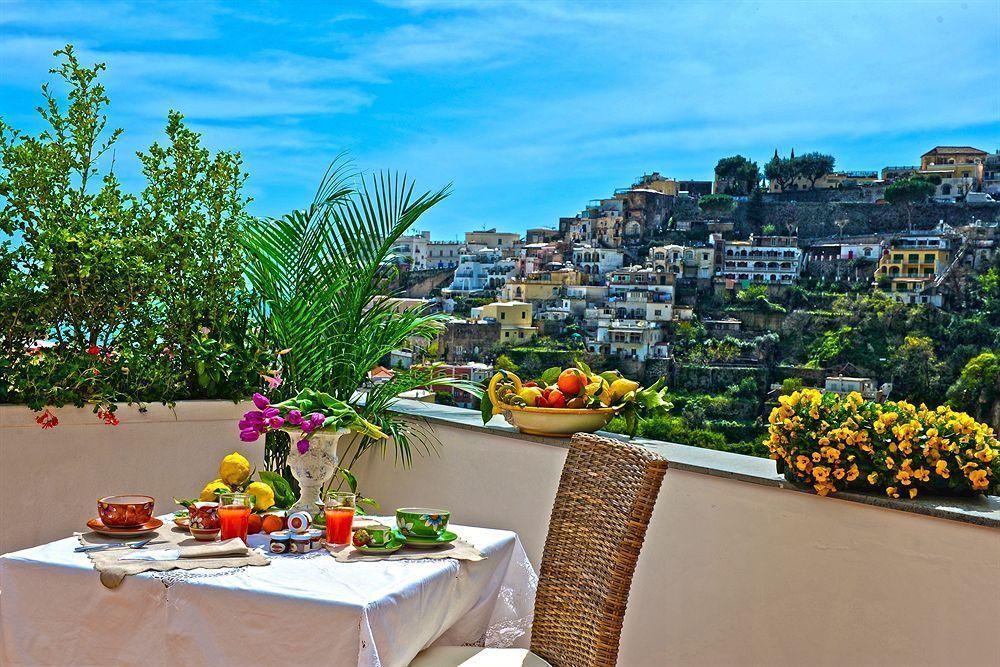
(339, 510)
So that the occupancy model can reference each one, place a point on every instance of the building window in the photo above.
(503, 315)
(928, 259)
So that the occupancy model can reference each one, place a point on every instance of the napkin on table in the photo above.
(233, 547)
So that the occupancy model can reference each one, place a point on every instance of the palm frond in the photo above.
(323, 275)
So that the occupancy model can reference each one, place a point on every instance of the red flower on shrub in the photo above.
(93, 349)
(109, 417)
(47, 419)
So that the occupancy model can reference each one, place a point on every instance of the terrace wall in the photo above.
(50, 479)
(737, 570)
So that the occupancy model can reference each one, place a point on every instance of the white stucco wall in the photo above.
(50, 479)
(735, 573)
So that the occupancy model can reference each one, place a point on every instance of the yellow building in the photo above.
(656, 182)
(541, 286)
(491, 238)
(908, 269)
(960, 169)
(952, 155)
(514, 317)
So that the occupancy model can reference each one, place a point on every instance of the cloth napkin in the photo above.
(233, 547)
(113, 567)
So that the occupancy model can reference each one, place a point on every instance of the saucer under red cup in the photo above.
(98, 526)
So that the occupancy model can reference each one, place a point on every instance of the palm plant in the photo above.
(324, 280)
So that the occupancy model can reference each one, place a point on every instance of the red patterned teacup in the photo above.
(204, 515)
(126, 511)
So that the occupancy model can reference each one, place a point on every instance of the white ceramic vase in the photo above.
(316, 467)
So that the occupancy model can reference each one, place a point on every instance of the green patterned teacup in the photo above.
(379, 536)
(422, 521)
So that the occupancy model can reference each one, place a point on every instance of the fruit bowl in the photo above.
(557, 422)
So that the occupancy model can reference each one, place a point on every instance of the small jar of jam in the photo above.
(301, 543)
(280, 541)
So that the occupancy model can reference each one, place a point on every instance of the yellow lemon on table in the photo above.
(208, 493)
(263, 495)
(234, 469)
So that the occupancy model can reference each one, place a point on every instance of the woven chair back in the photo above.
(599, 519)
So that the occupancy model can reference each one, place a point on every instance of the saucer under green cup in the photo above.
(422, 521)
(446, 537)
(392, 546)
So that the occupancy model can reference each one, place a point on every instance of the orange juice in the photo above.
(234, 520)
(338, 524)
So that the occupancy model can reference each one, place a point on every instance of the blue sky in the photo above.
(529, 108)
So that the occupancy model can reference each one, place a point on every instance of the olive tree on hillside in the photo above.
(739, 175)
(814, 166)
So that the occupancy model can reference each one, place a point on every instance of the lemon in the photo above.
(234, 469)
(263, 495)
(530, 395)
(208, 493)
(620, 388)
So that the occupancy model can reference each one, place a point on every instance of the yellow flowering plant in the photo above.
(834, 443)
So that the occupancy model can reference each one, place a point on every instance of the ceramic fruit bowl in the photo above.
(126, 511)
(422, 521)
(98, 526)
(557, 422)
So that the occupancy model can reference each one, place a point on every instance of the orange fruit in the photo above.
(254, 526)
(571, 381)
(272, 522)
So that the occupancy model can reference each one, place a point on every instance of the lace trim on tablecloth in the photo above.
(172, 577)
(515, 605)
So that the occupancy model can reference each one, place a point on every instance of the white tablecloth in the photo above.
(299, 610)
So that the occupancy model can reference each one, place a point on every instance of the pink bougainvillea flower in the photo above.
(93, 349)
(261, 401)
(302, 445)
(273, 381)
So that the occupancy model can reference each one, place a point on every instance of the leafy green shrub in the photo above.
(110, 296)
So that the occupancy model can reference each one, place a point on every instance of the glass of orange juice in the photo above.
(339, 509)
(234, 515)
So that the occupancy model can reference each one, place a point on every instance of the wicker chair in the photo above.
(599, 519)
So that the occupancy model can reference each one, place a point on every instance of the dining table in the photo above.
(300, 609)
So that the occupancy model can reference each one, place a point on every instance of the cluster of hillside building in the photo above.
(602, 270)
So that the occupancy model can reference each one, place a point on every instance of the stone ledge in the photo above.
(981, 511)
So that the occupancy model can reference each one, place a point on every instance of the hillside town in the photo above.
(735, 289)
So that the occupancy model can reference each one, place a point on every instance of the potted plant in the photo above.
(315, 422)
(830, 443)
(324, 280)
